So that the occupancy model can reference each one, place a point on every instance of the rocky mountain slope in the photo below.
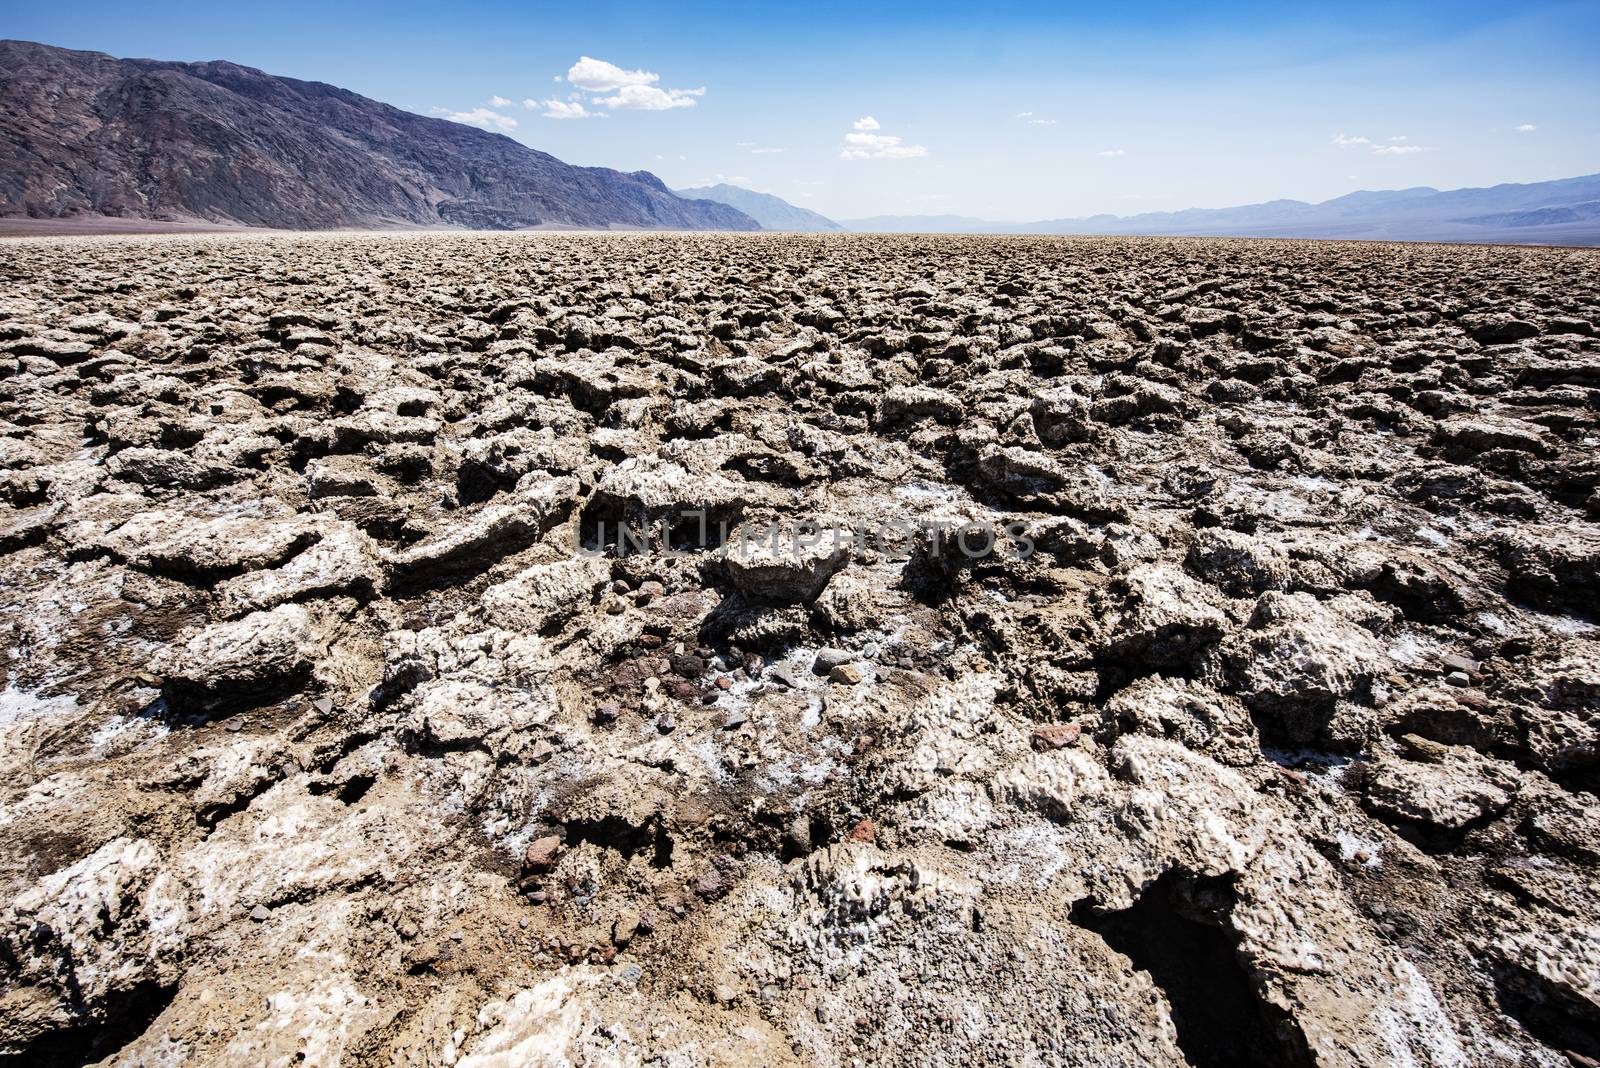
(83, 133)
(773, 213)
(1180, 653)
(1561, 212)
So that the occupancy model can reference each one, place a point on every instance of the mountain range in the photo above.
(1561, 212)
(83, 134)
(773, 213)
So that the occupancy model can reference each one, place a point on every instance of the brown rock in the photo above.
(624, 929)
(541, 853)
(845, 674)
(1289, 775)
(1054, 736)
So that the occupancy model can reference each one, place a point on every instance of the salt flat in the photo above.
(1178, 647)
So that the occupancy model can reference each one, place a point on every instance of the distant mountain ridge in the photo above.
(83, 133)
(1565, 211)
(773, 213)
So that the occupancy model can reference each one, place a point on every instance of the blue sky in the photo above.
(1011, 111)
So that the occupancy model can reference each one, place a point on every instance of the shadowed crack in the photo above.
(1178, 931)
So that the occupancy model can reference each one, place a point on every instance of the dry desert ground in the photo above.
(457, 649)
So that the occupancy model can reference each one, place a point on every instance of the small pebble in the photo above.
(786, 676)
(1054, 736)
(845, 674)
(828, 659)
(541, 853)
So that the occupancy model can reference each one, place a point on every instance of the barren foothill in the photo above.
(329, 739)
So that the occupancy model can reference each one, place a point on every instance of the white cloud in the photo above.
(598, 76)
(722, 179)
(563, 109)
(1527, 127)
(744, 144)
(1024, 114)
(1398, 145)
(1041, 122)
(878, 146)
(649, 98)
(499, 102)
(934, 196)
(482, 118)
(1112, 152)
(767, 151)
(866, 122)
(634, 90)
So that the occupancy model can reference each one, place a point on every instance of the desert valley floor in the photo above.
(1266, 731)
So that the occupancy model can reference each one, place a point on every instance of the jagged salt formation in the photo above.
(1266, 732)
